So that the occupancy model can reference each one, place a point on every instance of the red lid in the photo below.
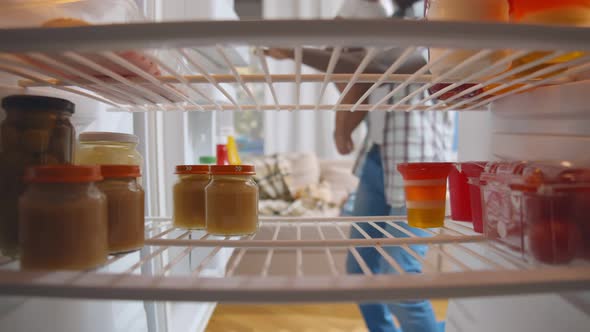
(424, 171)
(192, 169)
(120, 171)
(62, 174)
(232, 170)
(472, 169)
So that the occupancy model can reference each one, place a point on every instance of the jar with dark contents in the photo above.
(36, 131)
(232, 200)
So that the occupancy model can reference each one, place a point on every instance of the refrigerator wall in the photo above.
(549, 123)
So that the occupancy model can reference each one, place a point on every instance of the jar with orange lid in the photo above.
(550, 12)
(232, 200)
(189, 196)
(63, 218)
(125, 199)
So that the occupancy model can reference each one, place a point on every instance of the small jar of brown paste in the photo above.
(63, 218)
(232, 200)
(189, 196)
(125, 199)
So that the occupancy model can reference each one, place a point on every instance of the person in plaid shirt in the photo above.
(393, 137)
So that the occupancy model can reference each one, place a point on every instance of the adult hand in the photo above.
(279, 53)
(344, 143)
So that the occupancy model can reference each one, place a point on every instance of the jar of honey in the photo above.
(189, 196)
(125, 199)
(232, 200)
(63, 219)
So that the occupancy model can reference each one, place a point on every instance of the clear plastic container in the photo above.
(189, 196)
(34, 13)
(63, 219)
(125, 199)
(106, 148)
(232, 200)
(501, 206)
(36, 131)
(465, 10)
(555, 211)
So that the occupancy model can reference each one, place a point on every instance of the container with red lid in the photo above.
(189, 196)
(425, 187)
(125, 199)
(63, 218)
(232, 200)
(501, 206)
(555, 211)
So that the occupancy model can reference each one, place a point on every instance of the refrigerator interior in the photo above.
(172, 283)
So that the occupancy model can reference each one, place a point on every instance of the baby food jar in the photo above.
(63, 218)
(232, 200)
(465, 10)
(36, 131)
(106, 148)
(125, 200)
(189, 196)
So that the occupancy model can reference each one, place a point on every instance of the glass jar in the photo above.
(106, 148)
(63, 218)
(36, 131)
(125, 201)
(189, 196)
(232, 200)
(465, 10)
(551, 12)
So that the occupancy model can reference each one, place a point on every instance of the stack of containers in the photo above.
(465, 193)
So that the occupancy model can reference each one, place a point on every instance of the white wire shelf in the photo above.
(97, 62)
(294, 259)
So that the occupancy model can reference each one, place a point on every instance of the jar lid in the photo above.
(192, 169)
(120, 171)
(233, 170)
(32, 102)
(62, 174)
(93, 136)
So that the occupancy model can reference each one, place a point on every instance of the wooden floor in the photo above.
(295, 318)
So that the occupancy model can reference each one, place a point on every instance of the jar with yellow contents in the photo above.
(232, 200)
(107, 148)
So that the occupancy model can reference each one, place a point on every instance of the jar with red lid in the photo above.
(63, 218)
(125, 199)
(232, 200)
(189, 196)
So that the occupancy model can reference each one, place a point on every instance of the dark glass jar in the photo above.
(36, 131)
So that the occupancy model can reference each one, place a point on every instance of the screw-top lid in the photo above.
(232, 170)
(207, 160)
(36, 103)
(105, 136)
(120, 171)
(62, 174)
(192, 169)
